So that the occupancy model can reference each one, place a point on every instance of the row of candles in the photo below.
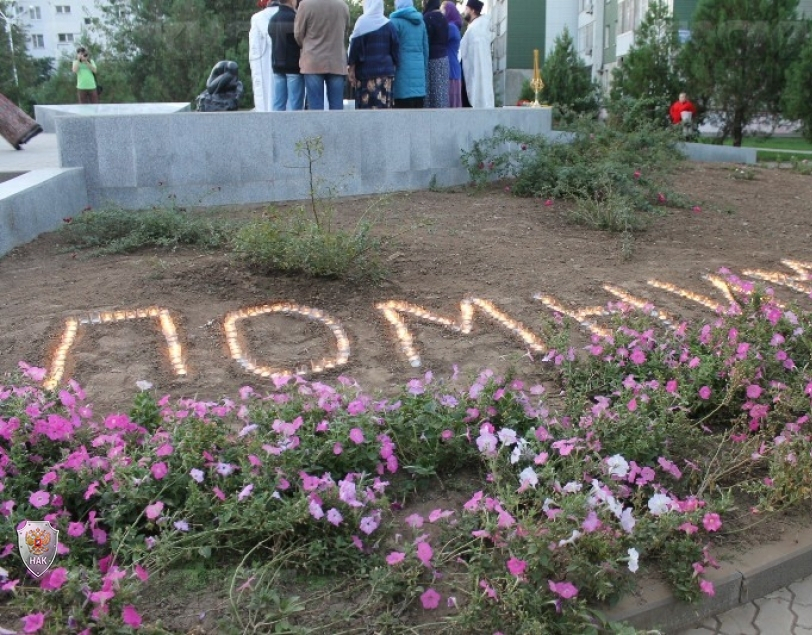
(233, 318)
(394, 311)
(71, 330)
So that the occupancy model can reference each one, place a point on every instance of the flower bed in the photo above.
(659, 438)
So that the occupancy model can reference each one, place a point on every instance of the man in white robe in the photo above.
(259, 57)
(475, 55)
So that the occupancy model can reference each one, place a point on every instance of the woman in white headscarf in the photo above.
(373, 58)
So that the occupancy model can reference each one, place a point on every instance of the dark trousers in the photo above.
(465, 102)
(88, 96)
(410, 102)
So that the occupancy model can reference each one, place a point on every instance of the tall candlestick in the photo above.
(535, 63)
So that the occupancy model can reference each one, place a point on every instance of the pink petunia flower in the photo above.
(131, 617)
(711, 522)
(334, 517)
(39, 499)
(430, 599)
(707, 587)
(368, 524)
(33, 622)
(357, 435)
(517, 567)
(159, 470)
(705, 392)
(76, 529)
(246, 492)
(566, 590)
(396, 557)
(425, 553)
(54, 579)
(154, 510)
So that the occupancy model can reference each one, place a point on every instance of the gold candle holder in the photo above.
(536, 83)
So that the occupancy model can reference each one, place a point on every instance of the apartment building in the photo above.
(53, 27)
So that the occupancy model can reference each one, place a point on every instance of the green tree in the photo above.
(30, 72)
(737, 58)
(567, 82)
(797, 97)
(648, 72)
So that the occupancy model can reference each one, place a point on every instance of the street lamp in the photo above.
(8, 21)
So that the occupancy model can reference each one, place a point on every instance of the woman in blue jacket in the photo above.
(410, 76)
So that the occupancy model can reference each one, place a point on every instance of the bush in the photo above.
(110, 231)
(297, 244)
(616, 177)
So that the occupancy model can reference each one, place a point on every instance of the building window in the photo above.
(63, 8)
(37, 42)
(65, 38)
(34, 13)
(606, 33)
(585, 39)
(631, 14)
(88, 21)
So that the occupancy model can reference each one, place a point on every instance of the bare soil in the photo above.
(489, 245)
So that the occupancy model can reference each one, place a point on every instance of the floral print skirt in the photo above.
(374, 93)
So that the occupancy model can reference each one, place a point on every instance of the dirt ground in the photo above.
(490, 245)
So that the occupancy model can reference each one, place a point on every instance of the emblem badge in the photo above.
(38, 542)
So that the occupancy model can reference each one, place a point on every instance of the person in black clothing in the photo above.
(288, 83)
(373, 57)
(437, 28)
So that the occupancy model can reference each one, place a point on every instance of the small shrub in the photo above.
(743, 174)
(110, 231)
(616, 177)
(801, 166)
(297, 244)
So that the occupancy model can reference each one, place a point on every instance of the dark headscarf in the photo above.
(431, 5)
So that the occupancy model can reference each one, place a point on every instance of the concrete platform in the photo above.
(46, 113)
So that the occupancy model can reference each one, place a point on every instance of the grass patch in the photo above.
(114, 230)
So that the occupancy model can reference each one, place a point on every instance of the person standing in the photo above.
(320, 29)
(85, 70)
(451, 14)
(682, 105)
(410, 74)
(475, 56)
(288, 88)
(437, 29)
(259, 56)
(373, 57)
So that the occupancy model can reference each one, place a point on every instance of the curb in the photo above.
(745, 578)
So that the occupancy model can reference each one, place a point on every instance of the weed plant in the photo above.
(115, 230)
(306, 240)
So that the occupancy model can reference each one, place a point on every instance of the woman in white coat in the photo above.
(259, 57)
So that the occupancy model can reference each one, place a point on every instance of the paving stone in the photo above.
(781, 594)
(804, 613)
(803, 591)
(774, 615)
(700, 630)
(739, 621)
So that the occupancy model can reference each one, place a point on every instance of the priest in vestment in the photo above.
(475, 55)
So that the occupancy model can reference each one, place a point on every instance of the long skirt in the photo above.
(455, 93)
(374, 93)
(15, 126)
(437, 96)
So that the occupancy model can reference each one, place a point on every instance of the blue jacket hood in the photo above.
(409, 13)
